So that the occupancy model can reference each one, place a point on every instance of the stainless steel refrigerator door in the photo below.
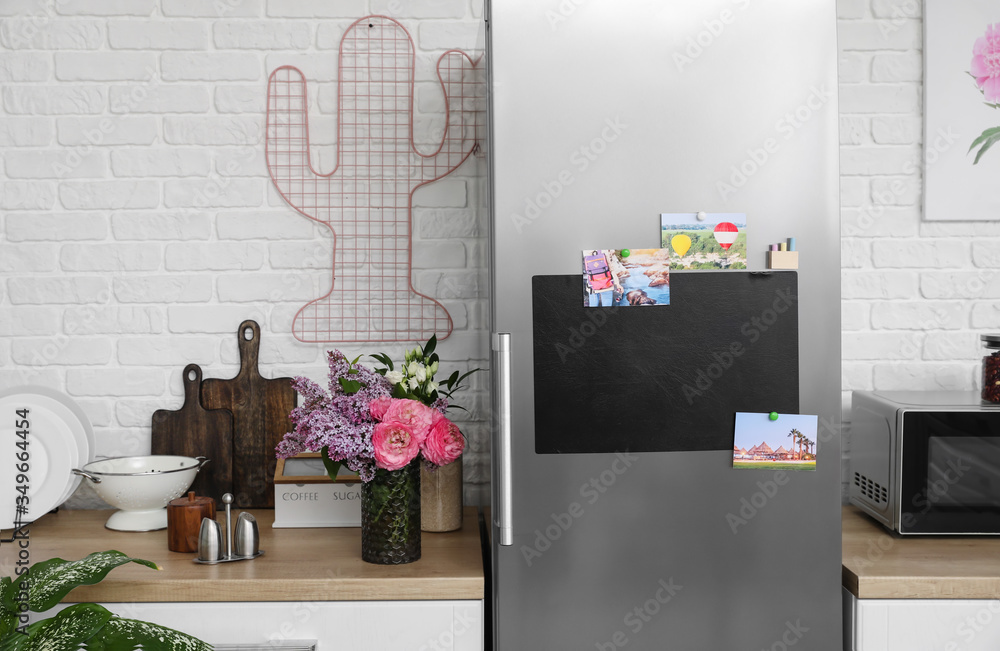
(605, 114)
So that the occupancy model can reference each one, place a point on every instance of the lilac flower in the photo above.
(441, 404)
(337, 419)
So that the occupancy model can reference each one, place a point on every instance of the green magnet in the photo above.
(626, 253)
(773, 415)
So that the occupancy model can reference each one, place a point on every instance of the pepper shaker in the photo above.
(247, 536)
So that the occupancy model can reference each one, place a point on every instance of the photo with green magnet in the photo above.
(773, 441)
(626, 277)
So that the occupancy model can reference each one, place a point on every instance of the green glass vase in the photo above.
(390, 516)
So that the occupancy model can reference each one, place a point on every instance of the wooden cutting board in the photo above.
(260, 410)
(194, 431)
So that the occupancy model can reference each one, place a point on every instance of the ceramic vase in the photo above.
(441, 497)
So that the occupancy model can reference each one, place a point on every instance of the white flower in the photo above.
(433, 369)
(411, 368)
(421, 373)
(432, 387)
(412, 383)
(395, 377)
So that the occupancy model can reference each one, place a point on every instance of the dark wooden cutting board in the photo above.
(194, 431)
(260, 410)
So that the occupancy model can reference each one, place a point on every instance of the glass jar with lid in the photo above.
(991, 368)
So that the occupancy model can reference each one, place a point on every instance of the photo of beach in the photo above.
(719, 241)
(787, 442)
(626, 277)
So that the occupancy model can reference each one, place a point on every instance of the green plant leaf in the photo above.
(399, 392)
(988, 143)
(431, 345)
(332, 467)
(454, 383)
(384, 359)
(355, 360)
(16, 641)
(350, 387)
(49, 581)
(121, 634)
(8, 610)
(983, 136)
(67, 631)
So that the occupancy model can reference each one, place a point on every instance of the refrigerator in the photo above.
(617, 519)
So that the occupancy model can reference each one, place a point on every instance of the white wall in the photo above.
(139, 225)
(916, 294)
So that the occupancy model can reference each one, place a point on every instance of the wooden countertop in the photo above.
(879, 565)
(298, 564)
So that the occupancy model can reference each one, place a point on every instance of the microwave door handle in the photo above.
(504, 514)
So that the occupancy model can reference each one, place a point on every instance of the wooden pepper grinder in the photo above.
(184, 521)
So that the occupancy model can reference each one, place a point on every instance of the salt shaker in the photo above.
(210, 541)
(247, 536)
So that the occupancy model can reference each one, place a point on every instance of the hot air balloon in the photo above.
(725, 234)
(680, 243)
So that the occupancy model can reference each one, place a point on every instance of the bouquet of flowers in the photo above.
(384, 418)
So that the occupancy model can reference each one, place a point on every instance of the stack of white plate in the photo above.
(59, 437)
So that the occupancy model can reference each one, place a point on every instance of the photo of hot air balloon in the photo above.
(717, 241)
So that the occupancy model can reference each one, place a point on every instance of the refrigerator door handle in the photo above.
(504, 511)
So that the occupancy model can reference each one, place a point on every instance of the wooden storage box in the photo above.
(304, 496)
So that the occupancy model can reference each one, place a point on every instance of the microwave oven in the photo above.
(926, 462)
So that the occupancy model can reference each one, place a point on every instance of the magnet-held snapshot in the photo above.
(769, 441)
(626, 277)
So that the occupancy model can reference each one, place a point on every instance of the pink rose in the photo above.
(378, 407)
(395, 445)
(414, 414)
(444, 442)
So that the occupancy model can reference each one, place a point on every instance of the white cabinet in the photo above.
(356, 625)
(921, 624)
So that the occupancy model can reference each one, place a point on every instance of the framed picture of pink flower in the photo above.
(961, 152)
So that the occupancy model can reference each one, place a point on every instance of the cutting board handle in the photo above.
(192, 385)
(249, 348)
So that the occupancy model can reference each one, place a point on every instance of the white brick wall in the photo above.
(139, 226)
(916, 295)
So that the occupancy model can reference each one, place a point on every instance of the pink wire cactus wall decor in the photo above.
(366, 200)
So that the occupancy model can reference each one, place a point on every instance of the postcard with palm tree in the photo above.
(763, 442)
